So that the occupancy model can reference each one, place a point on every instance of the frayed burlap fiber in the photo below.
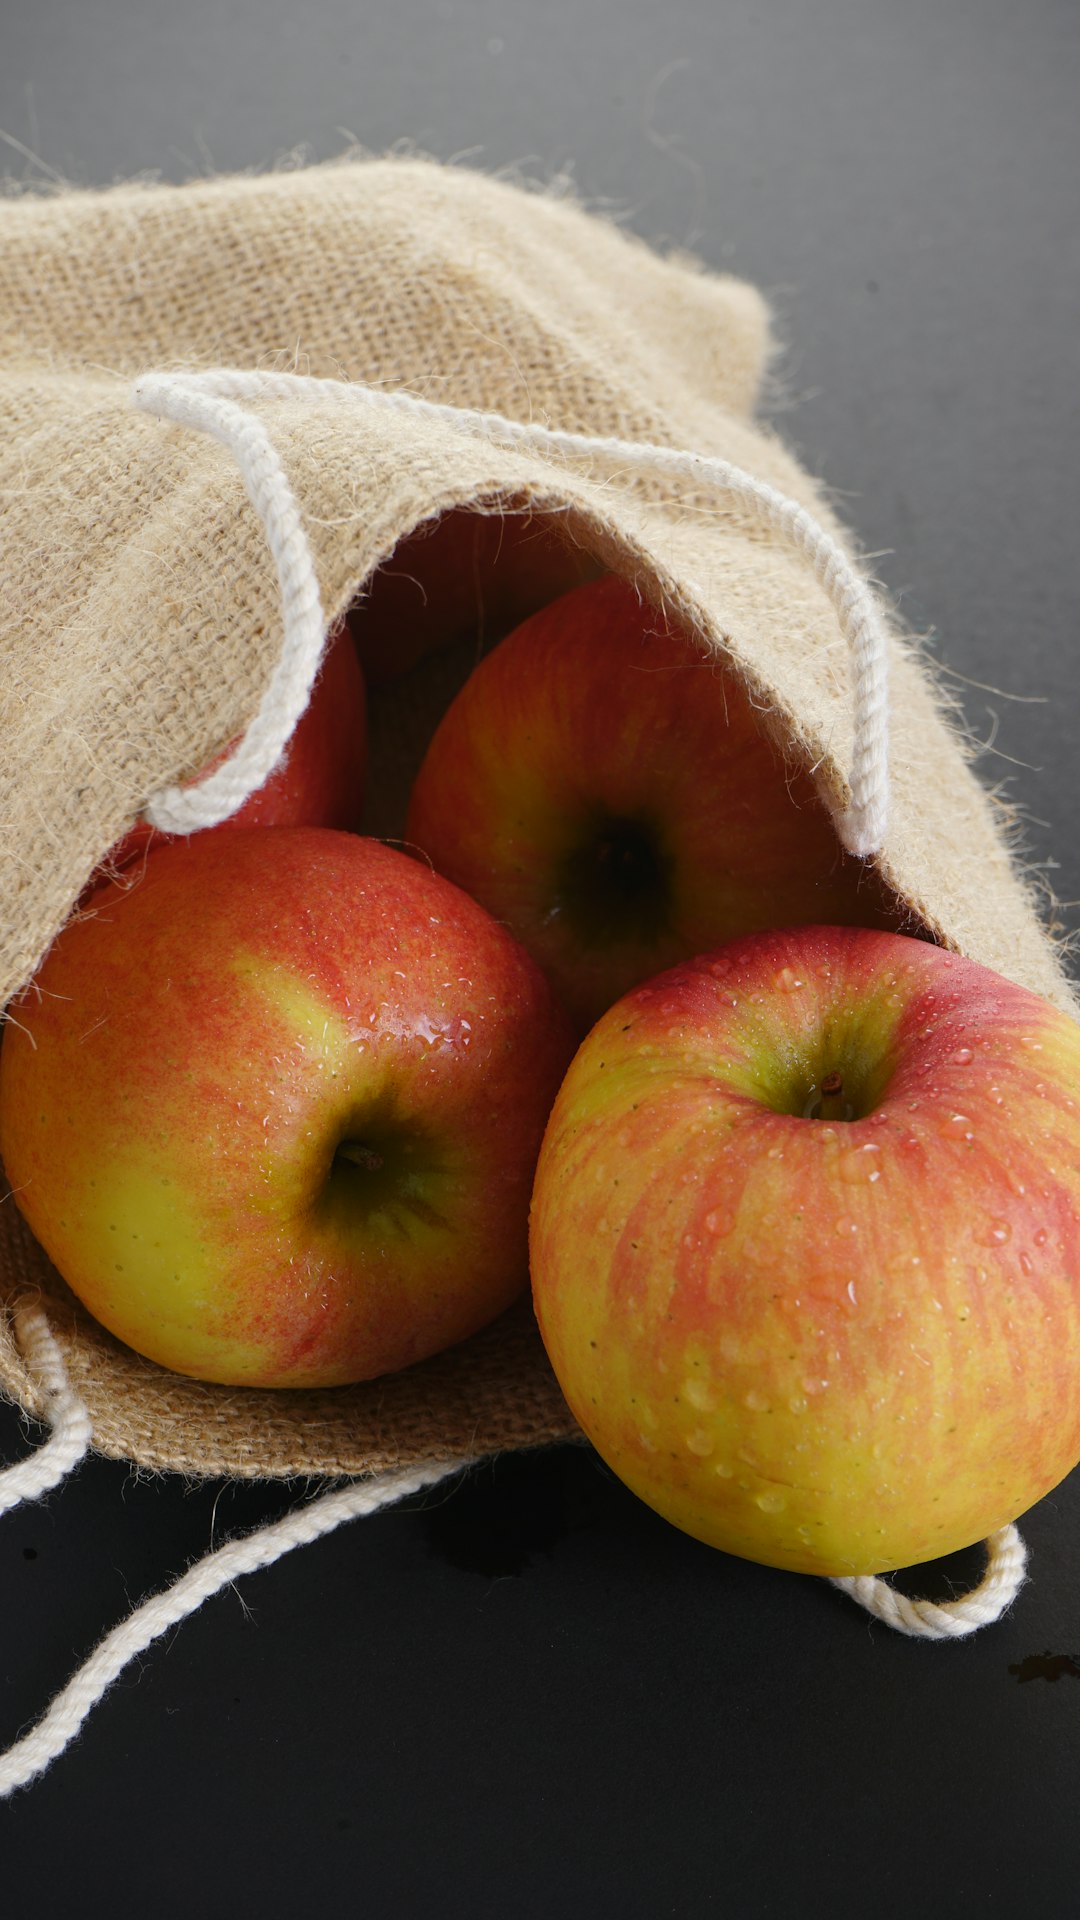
(140, 617)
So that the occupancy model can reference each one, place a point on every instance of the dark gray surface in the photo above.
(530, 1696)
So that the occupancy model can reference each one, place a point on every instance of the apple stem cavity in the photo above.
(828, 1101)
(615, 883)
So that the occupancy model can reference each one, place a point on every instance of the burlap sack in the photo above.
(141, 612)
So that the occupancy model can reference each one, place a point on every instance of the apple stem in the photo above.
(833, 1105)
(360, 1155)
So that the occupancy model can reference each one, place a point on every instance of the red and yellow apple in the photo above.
(273, 1113)
(805, 1248)
(607, 791)
(465, 573)
(319, 782)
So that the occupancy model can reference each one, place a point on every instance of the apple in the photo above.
(606, 790)
(273, 1113)
(465, 573)
(318, 783)
(805, 1247)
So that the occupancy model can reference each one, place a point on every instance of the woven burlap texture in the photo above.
(140, 617)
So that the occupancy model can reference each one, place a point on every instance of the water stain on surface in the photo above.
(1046, 1666)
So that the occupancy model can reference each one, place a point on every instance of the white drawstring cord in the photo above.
(69, 1423)
(209, 402)
(218, 796)
(36, 1750)
(1006, 1571)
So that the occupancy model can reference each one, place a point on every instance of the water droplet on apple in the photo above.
(699, 1442)
(1029, 1041)
(648, 1444)
(787, 980)
(811, 1384)
(699, 1394)
(957, 1127)
(1041, 1237)
(772, 1501)
(851, 1294)
(756, 1402)
(717, 1222)
(1026, 1264)
(798, 1403)
(861, 1164)
(962, 1057)
(846, 1225)
(993, 1233)
(724, 1470)
(804, 1534)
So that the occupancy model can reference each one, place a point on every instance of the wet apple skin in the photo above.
(191, 1057)
(837, 1347)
